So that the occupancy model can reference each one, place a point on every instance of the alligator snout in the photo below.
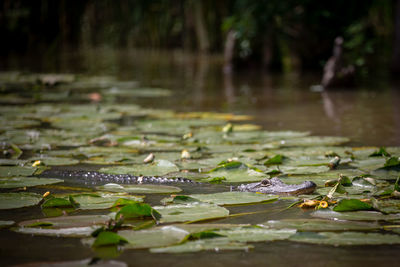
(276, 186)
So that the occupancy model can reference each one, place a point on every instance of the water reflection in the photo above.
(369, 115)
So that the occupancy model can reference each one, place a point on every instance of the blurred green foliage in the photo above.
(272, 33)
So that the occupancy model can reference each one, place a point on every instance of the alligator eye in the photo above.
(265, 182)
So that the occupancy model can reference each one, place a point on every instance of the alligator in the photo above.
(266, 186)
(276, 186)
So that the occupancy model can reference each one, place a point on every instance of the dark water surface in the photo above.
(369, 116)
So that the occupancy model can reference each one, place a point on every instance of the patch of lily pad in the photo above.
(16, 182)
(157, 168)
(140, 188)
(18, 200)
(319, 225)
(346, 238)
(190, 212)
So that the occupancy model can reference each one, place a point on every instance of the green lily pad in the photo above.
(255, 234)
(83, 231)
(140, 188)
(299, 169)
(387, 205)
(157, 237)
(190, 212)
(18, 200)
(88, 201)
(101, 200)
(318, 225)
(67, 221)
(236, 171)
(351, 205)
(157, 168)
(215, 244)
(313, 141)
(369, 164)
(16, 182)
(55, 161)
(355, 215)
(138, 92)
(346, 238)
(107, 239)
(137, 210)
(234, 198)
(6, 171)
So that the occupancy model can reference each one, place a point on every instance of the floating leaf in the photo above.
(140, 188)
(68, 221)
(5, 224)
(57, 202)
(318, 225)
(355, 215)
(216, 244)
(16, 182)
(387, 205)
(137, 210)
(18, 200)
(16, 171)
(351, 204)
(108, 239)
(83, 231)
(101, 200)
(346, 238)
(156, 168)
(190, 212)
(392, 162)
(156, 237)
(255, 234)
(234, 198)
(380, 153)
(276, 160)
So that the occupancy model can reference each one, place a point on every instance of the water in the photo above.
(369, 115)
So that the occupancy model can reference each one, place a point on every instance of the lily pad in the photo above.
(346, 238)
(388, 205)
(313, 141)
(157, 168)
(355, 215)
(18, 200)
(67, 221)
(140, 188)
(16, 182)
(101, 201)
(318, 225)
(190, 212)
(215, 244)
(351, 205)
(6, 171)
(255, 234)
(234, 198)
(83, 231)
(5, 224)
(157, 237)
